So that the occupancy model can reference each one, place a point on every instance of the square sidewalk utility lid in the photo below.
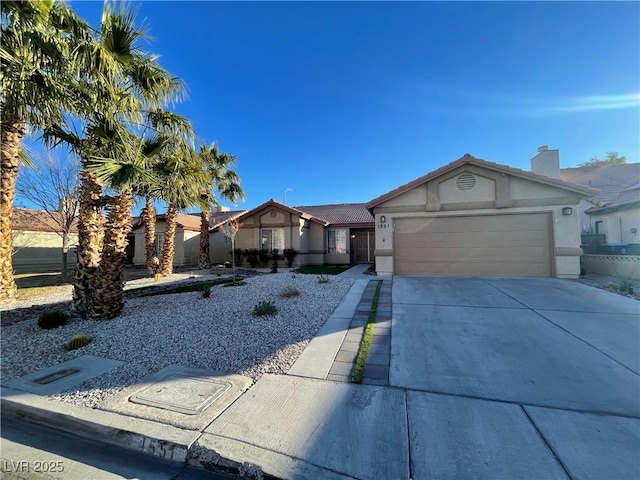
(184, 390)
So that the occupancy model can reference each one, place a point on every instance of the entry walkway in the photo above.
(332, 353)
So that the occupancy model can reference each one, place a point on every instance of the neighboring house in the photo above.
(187, 238)
(479, 218)
(331, 234)
(37, 241)
(615, 210)
(219, 244)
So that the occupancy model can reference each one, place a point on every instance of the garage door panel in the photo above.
(483, 245)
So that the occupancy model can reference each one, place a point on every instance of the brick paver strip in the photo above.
(378, 372)
(377, 365)
(350, 346)
(377, 359)
(341, 368)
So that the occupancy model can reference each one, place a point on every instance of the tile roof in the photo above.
(218, 219)
(281, 206)
(184, 221)
(340, 214)
(618, 184)
(471, 160)
(25, 219)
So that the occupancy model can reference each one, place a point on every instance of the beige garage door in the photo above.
(484, 245)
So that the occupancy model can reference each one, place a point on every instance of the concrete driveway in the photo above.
(507, 377)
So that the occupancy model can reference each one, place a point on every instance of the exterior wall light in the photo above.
(567, 211)
(383, 219)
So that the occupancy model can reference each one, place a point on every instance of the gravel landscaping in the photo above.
(219, 333)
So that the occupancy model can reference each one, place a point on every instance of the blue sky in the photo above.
(342, 102)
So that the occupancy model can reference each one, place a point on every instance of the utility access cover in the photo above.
(182, 394)
(184, 390)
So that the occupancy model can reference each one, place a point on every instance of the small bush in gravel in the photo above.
(264, 256)
(77, 341)
(290, 254)
(52, 319)
(288, 292)
(626, 285)
(206, 291)
(253, 257)
(265, 308)
(323, 279)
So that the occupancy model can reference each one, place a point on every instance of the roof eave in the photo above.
(612, 208)
(468, 160)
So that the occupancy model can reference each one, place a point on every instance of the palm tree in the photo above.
(204, 255)
(221, 178)
(168, 128)
(181, 181)
(38, 54)
(125, 82)
(149, 219)
(106, 298)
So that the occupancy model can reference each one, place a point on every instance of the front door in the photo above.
(364, 246)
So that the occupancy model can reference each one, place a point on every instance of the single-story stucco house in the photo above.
(187, 238)
(321, 234)
(479, 218)
(37, 241)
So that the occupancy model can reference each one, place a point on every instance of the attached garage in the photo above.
(478, 218)
(484, 245)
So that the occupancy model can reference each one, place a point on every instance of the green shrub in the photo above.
(288, 292)
(265, 308)
(253, 257)
(626, 285)
(290, 254)
(52, 319)
(323, 279)
(77, 341)
(264, 256)
(238, 253)
(274, 257)
(206, 291)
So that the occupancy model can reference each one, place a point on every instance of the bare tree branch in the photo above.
(52, 187)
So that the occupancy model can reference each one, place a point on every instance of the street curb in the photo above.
(152, 438)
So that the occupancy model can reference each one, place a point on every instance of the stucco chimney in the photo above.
(546, 162)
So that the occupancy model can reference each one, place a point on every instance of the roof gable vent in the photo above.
(465, 181)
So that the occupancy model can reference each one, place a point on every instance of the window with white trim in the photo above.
(271, 238)
(337, 241)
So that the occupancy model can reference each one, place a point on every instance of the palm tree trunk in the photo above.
(168, 249)
(203, 260)
(149, 215)
(12, 134)
(107, 295)
(90, 238)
